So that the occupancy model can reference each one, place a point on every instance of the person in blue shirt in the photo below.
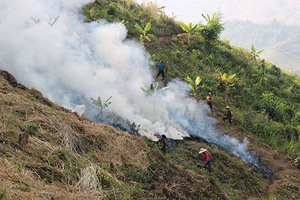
(161, 69)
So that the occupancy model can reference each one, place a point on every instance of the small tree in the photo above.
(101, 105)
(213, 28)
(194, 85)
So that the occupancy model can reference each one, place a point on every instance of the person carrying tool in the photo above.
(161, 69)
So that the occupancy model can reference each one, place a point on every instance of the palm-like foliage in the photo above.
(262, 74)
(213, 28)
(144, 32)
(228, 81)
(191, 31)
(254, 53)
(194, 85)
(101, 105)
(153, 89)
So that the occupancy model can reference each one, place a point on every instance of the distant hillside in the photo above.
(280, 42)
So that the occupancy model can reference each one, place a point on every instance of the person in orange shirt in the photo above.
(209, 102)
(207, 161)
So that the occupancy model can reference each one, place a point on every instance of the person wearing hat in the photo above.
(228, 115)
(161, 69)
(209, 101)
(207, 161)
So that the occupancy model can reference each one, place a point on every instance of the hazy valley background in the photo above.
(271, 25)
(280, 42)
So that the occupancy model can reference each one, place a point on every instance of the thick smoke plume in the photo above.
(47, 46)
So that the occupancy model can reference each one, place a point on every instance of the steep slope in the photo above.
(62, 151)
(70, 157)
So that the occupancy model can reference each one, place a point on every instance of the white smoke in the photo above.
(47, 46)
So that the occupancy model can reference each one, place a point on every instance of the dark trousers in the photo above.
(161, 72)
(211, 108)
(229, 119)
(207, 166)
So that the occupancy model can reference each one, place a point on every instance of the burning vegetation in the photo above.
(70, 157)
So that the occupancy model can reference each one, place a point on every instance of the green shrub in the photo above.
(30, 128)
(3, 193)
(137, 175)
(10, 121)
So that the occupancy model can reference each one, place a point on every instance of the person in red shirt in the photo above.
(207, 161)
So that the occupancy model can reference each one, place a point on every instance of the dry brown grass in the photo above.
(69, 156)
(24, 169)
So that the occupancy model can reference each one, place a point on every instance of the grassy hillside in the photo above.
(255, 88)
(68, 156)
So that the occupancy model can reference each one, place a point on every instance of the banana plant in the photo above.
(144, 32)
(254, 53)
(262, 74)
(153, 89)
(213, 28)
(101, 105)
(194, 85)
(191, 31)
(228, 81)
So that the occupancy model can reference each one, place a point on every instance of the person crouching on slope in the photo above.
(228, 115)
(207, 161)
